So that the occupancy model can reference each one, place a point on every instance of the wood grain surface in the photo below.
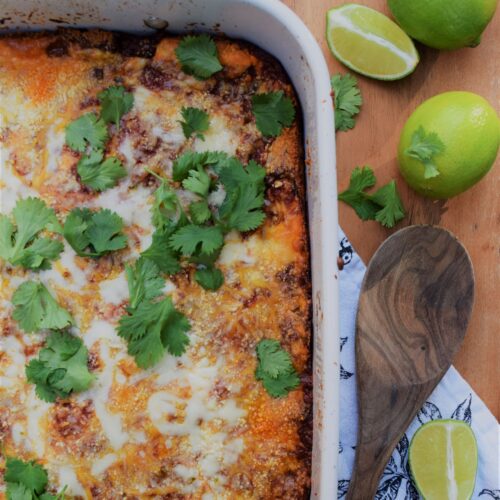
(414, 308)
(474, 216)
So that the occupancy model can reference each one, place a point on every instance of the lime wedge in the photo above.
(443, 460)
(369, 42)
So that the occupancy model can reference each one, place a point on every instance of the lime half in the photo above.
(369, 42)
(443, 460)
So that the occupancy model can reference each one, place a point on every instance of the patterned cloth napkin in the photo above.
(453, 398)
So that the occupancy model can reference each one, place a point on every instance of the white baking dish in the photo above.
(272, 26)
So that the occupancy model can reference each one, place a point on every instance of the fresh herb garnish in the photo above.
(391, 209)
(200, 211)
(27, 481)
(36, 309)
(198, 56)
(190, 160)
(115, 102)
(384, 205)
(242, 208)
(98, 174)
(424, 147)
(348, 100)
(61, 367)
(193, 239)
(92, 234)
(21, 243)
(88, 130)
(144, 281)
(197, 181)
(272, 112)
(151, 327)
(160, 252)
(195, 121)
(199, 234)
(275, 369)
(210, 278)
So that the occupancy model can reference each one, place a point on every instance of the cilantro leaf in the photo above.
(36, 309)
(242, 208)
(197, 182)
(92, 234)
(161, 254)
(195, 121)
(20, 244)
(86, 130)
(115, 102)
(166, 204)
(144, 281)
(98, 174)
(61, 367)
(192, 239)
(392, 209)
(198, 56)
(384, 205)
(272, 112)
(275, 369)
(235, 174)
(200, 212)
(191, 160)
(361, 179)
(347, 101)
(209, 278)
(424, 147)
(273, 359)
(24, 480)
(152, 328)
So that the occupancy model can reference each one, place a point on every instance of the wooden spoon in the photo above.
(414, 307)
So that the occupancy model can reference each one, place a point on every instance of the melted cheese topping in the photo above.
(198, 426)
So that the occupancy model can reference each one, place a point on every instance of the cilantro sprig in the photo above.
(273, 111)
(151, 326)
(92, 234)
(36, 309)
(384, 205)
(194, 121)
(198, 234)
(198, 56)
(86, 131)
(347, 100)
(275, 369)
(27, 481)
(61, 367)
(424, 147)
(88, 135)
(115, 102)
(20, 240)
(100, 174)
(210, 278)
(144, 281)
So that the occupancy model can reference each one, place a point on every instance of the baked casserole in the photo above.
(155, 298)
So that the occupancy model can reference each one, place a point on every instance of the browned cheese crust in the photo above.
(46, 81)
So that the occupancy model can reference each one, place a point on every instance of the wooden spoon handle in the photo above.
(366, 475)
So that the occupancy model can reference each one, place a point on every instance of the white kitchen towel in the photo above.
(453, 398)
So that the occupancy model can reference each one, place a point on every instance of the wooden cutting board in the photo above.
(473, 216)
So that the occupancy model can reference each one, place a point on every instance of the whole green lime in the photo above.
(444, 24)
(448, 144)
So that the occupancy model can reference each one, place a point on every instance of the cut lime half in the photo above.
(369, 42)
(443, 460)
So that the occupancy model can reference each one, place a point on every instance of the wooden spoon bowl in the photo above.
(415, 304)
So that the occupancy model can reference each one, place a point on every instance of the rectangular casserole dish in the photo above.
(272, 26)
